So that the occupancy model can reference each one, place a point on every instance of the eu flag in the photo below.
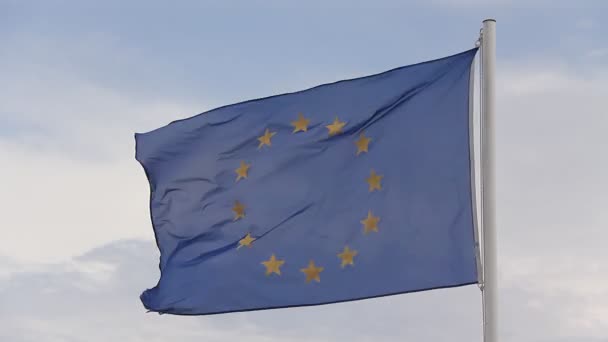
(355, 189)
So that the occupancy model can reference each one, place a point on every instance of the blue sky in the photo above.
(227, 51)
(80, 77)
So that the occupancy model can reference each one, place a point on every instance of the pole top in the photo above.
(489, 19)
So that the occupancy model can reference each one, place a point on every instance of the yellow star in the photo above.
(239, 210)
(246, 241)
(370, 223)
(301, 124)
(362, 143)
(374, 181)
(335, 127)
(312, 272)
(241, 172)
(265, 139)
(273, 265)
(347, 256)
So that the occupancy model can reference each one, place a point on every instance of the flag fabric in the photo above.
(351, 190)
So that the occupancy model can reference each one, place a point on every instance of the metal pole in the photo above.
(490, 286)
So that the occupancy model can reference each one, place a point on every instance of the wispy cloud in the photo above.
(586, 24)
(598, 53)
(94, 297)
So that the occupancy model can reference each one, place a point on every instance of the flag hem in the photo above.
(169, 312)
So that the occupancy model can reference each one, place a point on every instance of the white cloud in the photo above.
(75, 115)
(60, 206)
(50, 304)
(598, 53)
(586, 24)
(69, 161)
(551, 138)
(551, 195)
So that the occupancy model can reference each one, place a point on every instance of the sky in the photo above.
(79, 78)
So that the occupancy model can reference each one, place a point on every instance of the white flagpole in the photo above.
(490, 286)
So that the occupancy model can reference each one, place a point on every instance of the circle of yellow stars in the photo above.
(312, 272)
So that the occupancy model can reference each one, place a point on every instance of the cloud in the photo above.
(60, 206)
(94, 297)
(73, 115)
(586, 24)
(550, 136)
(598, 53)
(68, 155)
(7, 266)
(551, 193)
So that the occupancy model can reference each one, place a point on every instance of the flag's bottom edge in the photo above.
(181, 313)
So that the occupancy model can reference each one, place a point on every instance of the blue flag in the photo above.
(345, 191)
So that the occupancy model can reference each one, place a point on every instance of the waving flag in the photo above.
(349, 190)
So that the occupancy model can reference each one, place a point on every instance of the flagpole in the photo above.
(490, 274)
